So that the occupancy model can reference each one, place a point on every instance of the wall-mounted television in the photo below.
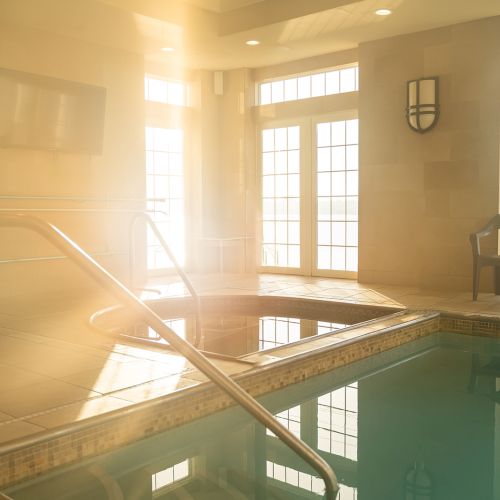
(39, 112)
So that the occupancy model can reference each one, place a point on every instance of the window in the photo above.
(296, 478)
(276, 331)
(309, 178)
(165, 194)
(290, 419)
(338, 422)
(281, 197)
(337, 195)
(164, 91)
(169, 476)
(335, 81)
(324, 327)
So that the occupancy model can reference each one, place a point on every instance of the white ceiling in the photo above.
(210, 34)
(289, 29)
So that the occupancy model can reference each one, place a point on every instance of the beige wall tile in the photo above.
(458, 161)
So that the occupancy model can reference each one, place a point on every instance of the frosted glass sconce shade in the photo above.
(422, 103)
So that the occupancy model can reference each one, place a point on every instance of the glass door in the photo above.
(309, 197)
(336, 192)
(281, 188)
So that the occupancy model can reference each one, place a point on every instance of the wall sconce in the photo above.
(422, 103)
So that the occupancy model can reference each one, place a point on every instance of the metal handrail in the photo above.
(124, 295)
(137, 214)
(147, 218)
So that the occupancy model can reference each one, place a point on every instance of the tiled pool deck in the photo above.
(55, 370)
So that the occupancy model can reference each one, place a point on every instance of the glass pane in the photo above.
(352, 234)
(338, 158)
(338, 183)
(324, 235)
(338, 233)
(280, 159)
(291, 89)
(277, 91)
(268, 186)
(294, 233)
(281, 209)
(352, 157)
(293, 209)
(281, 232)
(338, 258)
(294, 185)
(351, 131)
(268, 232)
(318, 85)
(324, 184)
(268, 163)
(265, 93)
(323, 134)
(280, 139)
(332, 82)
(174, 164)
(293, 138)
(323, 208)
(352, 208)
(268, 140)
(352, 259)
(323, 260)
(268, 209)
(324, 159)
(304, 87)
(175, 93)
(352, 183)
(293, 162)
(338, 133)
(348, 80)
(281, 185)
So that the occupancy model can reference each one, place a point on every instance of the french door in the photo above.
(309, 196)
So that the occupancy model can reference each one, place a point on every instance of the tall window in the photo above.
(338, 422)
(281, 197)
(337, 195)
(165, 193)
(165, 169)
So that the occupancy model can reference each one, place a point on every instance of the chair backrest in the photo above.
(492, 225)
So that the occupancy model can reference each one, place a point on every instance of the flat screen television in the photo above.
(39, 112)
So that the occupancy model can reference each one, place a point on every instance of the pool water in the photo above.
(234, 335)
(425, 415)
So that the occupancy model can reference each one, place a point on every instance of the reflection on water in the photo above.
(385, 432)
(239, 335)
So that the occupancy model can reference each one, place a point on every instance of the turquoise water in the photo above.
(433, 404)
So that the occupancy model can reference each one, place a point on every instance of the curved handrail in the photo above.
(147, 218)
(106, 280)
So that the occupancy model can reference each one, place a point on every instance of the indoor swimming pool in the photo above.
(237, 326)
(417, 421)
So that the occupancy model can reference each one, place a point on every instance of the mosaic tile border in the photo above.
(482, 326)
(28, 459)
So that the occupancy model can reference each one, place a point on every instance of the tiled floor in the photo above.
(55, 370)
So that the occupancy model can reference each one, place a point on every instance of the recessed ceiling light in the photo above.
(252, 42)
(167, 49)
(383, 12)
